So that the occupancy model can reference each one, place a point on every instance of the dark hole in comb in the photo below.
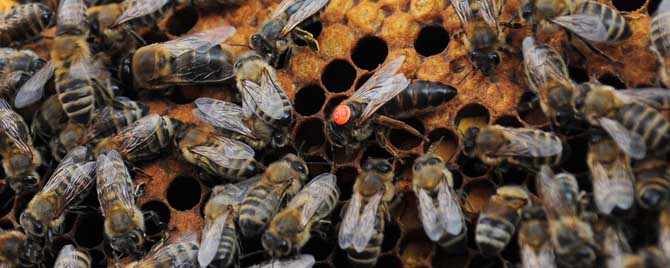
(443, 259)
(361, 80)
(6, 199)
(318, 247)
(389, 261)
(578, 75)
(404, 140)
(529, 109)
(314, 28)
(339, 155)
(321, 265)
(508, 121)
(309, 100)
(251, 245)
(512, 251)
(369, 52)
(510, 175)
(338, 76)
(612, 80)
(152, 37)
(432, 40)
(574, 158)
(70, 220)
(346, 177)
(6, 225)
(310, 135)
(472, 243)
(89, 230)
(184, 193)
(392, 234)
(317, 165)
(472, 167)
(277, 154)
(628, 5)
(163, 213)
(182, 21)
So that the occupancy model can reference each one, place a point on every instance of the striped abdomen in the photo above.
(369, 256)
(211, 66)
(24, 23)
(652, 184)
(153, 18)
(110, 120)
(76, 96)
(418, 98)
(659, 33)
(175, 255)
(74, 259)
(225, 256)
(159, 141)
(258, 208)
(493, 232)
(551, 160)
(287, 112)
(242, 168)
(617, 27)
(649, 124)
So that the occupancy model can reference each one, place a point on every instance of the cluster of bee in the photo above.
(95, 133)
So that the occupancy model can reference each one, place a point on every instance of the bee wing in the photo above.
(139, 8)
(554, 202)
(663, 7)
(200, 41)
(664, 233)
(601, 189)
(267, 96)
(544, 258)
(71, 12)
(654, 97)
(226, 154)
(316, 192)
(429, 215)
(525, 142)
(111, 172)
(222, 114)
(14, 128)
(77, 171)
(490, 9)
(33, 90)
(451, 217)
(300, 261)
(66, 255)
(589, 27)
(139, 132)
(236, 192)
(630, 142)
(539, 67)
(366, 223)
(463, 10)
(211, 237)
(382, 86)
(306, 10)
(283, 6)
(349, 222)
(623, 177)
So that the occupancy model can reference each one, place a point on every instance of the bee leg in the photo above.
(386, 145)
(307, 37)
(397, 124)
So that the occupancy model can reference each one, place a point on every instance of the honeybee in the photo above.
(627, 116)
(362, 229)
(299, 261)
(24, 23)
(67, 186)
(536, 249)
(232, 121)
(144, 13)
(124, 221)
(420, 97)
(70, 257)
(354, 120)
(177, 253)
(278, 34)
(613, 245)
(572, 238)
(112, 119)
(499, 219)
(194, 59)
(658, 33)
(652, 182)
(113, 41)
(144, 139)
(13, 248)
(664, 232)
(440, 211)
(611, 175)
(222, 156)
(49, 120)
(280, 181)
(219, 242)
(526, 147)
(290, 229)
(547, 76)
(20, 159)
(649, 257)
(16, 67)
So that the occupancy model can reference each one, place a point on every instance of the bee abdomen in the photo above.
(152, 18)
(24, 23)
(652, 185)
(660, 33)
(368, 257)
(182, 254)
(492, 234)
(208, 65)
(255, 210)
(617, 27)
(418, 98)
(449, 240)
(76, 98)
(649, 124)
(227, 248)
(78, 260)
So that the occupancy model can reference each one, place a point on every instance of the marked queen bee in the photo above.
(20, 159)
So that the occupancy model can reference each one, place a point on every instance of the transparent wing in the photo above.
(225, 155)
(282, 7)
(139, 132)
(589, 27)
(623, 179)
(349, 222)
(463, 10)
(544, 258)
(663, 7)
(490, 9)
(366, 223)
(314, 196)
(528, 142)
(664, 233)
(449, 210)
(65, 257)
(539, 66)
(112, 173)
(71, 12)
(14, 128)
(429, 215)
(211, 237)
(235, 193)
(630, 142)
(33, 89)
(222, 114)
(613, 248)
(267, 96)
(654, 97)
(300, 261)
(601, 189)
(382, 86)
(306, 10)
(76, 171)
(139, 8)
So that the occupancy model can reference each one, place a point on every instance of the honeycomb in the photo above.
(355, 38)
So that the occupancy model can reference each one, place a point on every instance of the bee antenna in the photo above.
(465, 76)
(433, 146)
(240, 45)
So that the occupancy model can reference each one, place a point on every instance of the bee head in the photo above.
(297, 164)
(125, 70)
(469, 141)
(378, 165)
(128, 242)
(427, 160)
(31, 225)
(486, 62)
(653, 199)
(261, 45)
(275, 245)
(279, 139)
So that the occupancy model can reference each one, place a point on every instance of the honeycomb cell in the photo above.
(432, 40)
(369, 52)
(628, 5)
(316, 165)
(6, 198)
(471, 115)
(366, 17)
(310, 135)
(472, 167)
(477, 195)
(612, 80)
(338, 76)
(576, 154)
(89, 230)
(182, 21)
(277, 154)
(389, 261)
(404, 140)
(309, 100)
(530, 111)
(508, 121)
(153, 226)
(314, 28)
(416, 248)
(184, 193)
(346, 177)
(444, 143)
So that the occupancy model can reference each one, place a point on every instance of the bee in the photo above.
(14, 247)
(144, 139)
(20, 159)
(664, 232)
(613, 245)
(24, 23)
(572, 238)
(290, 229)
(16, 67)
(280, 181)
(499, 219)
(483, 38)
(536, 249)
(67, 186)
(526, 147)
(659, 34)
(278, 34)
(49, 120)
(194, 59)
(652, 182)
(70, 257)
(112, 119)
(144, 13)
(219, 155)
(219, 244)
(420, 97)
(113, 41)
(177, 253)
(440, 211)
(354, 120)
(300, 261)
(627, 116)
(124, 221)
(547, 76)
(362, 229)
(611, 175)
(649, 257)
(233, 121)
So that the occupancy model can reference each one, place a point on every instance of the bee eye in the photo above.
(385, 168)
(493, 57)
(433, 161)
(474, 55)
(367, 166)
